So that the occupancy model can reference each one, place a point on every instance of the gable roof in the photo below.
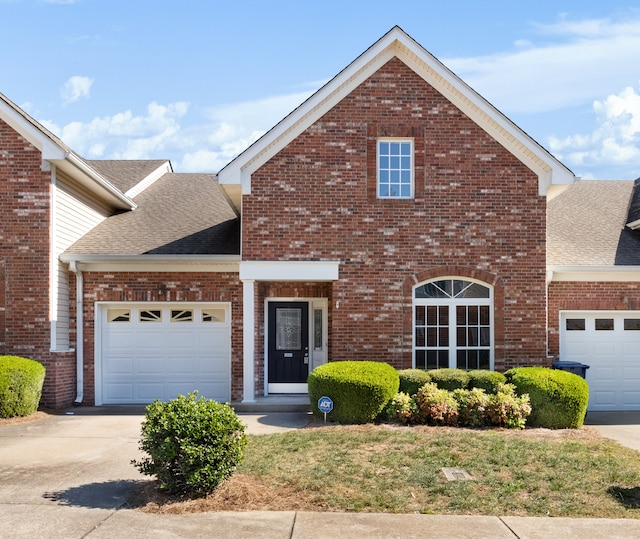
(57, 152)
(179, 214)
(586, 226)
(396, 43)
(125, 175)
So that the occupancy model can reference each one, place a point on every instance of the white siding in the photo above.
(74, 213)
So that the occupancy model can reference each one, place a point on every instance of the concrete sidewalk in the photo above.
(68, 476)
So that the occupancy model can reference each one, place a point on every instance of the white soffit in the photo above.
(397, 43)
(605, 274)
(303, 271)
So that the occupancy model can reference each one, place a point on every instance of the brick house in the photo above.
(394, 216)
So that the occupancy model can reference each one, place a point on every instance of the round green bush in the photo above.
(21, 381)
(359, 389)
(193, 444)
(412, 379)
(450, 379)
(490, 381)
(558, 398)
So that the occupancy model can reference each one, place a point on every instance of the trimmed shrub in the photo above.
(450, 379)
(436, 406)
(401, 409)
(506, 409)
(359, 389)
(412, 379)
(193, 444)
(473, 407)
(21, 381)
(558, 398)
(490, 381)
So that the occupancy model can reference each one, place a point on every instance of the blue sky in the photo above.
(197, 81)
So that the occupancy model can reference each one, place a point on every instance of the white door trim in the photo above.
(317, 356)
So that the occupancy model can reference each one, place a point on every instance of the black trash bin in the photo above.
(571, 366)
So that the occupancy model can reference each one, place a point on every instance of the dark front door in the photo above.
(288, 338)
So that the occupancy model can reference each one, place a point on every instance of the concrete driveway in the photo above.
(623, 427)
(80, 461)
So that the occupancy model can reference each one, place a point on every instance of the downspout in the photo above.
(79, 333)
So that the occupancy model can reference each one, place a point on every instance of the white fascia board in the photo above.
(149, 180)
(72, 164)
(301, 271)
(634, 225)
(49, 149)
(610, 274)
(157, 263)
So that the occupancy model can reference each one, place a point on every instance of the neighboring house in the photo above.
(394, 216)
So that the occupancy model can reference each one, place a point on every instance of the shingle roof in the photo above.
(178, 214)
(586, 225)
(125, 174)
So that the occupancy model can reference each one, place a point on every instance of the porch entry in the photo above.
(295, 344)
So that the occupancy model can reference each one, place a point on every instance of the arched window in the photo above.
(453, 324)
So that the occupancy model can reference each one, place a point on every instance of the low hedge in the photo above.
(450, 379)
(411, 380)
(490, 381)
(21, 381)
(359, 389)
(558, 398)
(474, 407)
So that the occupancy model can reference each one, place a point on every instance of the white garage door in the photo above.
(609, 342)
(158, 351)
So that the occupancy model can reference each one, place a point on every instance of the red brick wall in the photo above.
(25, 205)
(169, 287)
(476, 208)
(586, 296)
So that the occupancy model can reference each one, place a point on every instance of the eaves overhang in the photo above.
(593, 274)
(158, 263)
(55, 152)
(79, 170)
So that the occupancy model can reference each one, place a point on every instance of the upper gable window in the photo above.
(395, 168)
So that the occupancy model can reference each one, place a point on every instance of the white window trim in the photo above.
(453, 302)
(400, 140)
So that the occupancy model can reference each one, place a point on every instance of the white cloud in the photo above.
(614, 143)
(205, 144)
(76, 88)
(575, 69)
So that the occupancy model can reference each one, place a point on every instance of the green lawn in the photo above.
(384, 468)
(399, 470)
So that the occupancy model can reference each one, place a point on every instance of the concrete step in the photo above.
(274, 403)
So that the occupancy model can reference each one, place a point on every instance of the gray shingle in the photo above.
(125, 174)
(178, 214)
(586, 225)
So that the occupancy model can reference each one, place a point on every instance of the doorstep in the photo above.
(274, 403)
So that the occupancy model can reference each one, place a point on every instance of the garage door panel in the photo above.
(144, 361)
(183, 366)
(612, 354)
(150, 340)
(117, 393)
(631, 399)
(149, 391)
(150, 365)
